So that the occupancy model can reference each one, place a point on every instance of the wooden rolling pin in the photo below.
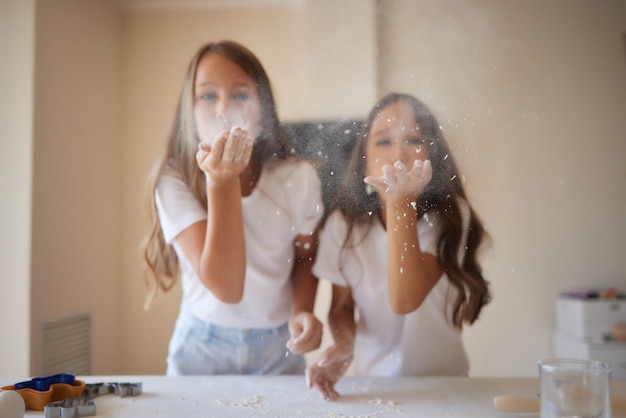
(528, 405)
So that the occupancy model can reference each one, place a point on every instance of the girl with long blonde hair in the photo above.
(234, 214)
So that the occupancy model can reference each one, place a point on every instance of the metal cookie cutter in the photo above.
(85, 405)
(70, 408)
(121, 389)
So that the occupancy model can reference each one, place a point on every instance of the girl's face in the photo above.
(224, 97)
(394, 136)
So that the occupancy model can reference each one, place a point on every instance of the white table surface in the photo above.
(288, 396)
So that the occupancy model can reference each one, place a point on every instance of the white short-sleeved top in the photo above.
(422, 342)
(285, 203)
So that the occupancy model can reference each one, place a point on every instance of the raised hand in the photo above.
(229, 155)
(397, 183)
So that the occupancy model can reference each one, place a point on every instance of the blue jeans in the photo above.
(198, 347)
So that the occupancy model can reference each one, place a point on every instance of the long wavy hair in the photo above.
(162, 268)
(440, 196)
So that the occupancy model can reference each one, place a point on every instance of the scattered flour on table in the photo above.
(378, 407)
(378, 401)
(249, 403)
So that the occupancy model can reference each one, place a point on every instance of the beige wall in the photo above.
(77, 176)
(531, 95)
(17, 45)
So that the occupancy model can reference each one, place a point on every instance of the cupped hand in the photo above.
(324, 375)
(306, 333)
(397, 182)
(229, 155)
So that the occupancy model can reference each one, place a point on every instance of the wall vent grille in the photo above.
(66, 346)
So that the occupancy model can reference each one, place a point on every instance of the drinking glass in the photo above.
(574, 388)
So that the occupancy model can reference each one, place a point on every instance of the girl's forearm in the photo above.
(411, 274)
(341, 315)
(223, 260)
(304, 288)
(304, 282)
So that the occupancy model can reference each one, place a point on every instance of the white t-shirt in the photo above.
(285, 203)
(387, 344)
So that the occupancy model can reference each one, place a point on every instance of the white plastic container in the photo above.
(588, 319)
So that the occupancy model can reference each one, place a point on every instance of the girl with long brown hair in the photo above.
(400, 247)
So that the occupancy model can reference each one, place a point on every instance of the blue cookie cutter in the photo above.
(43, 384)
(40, 391)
